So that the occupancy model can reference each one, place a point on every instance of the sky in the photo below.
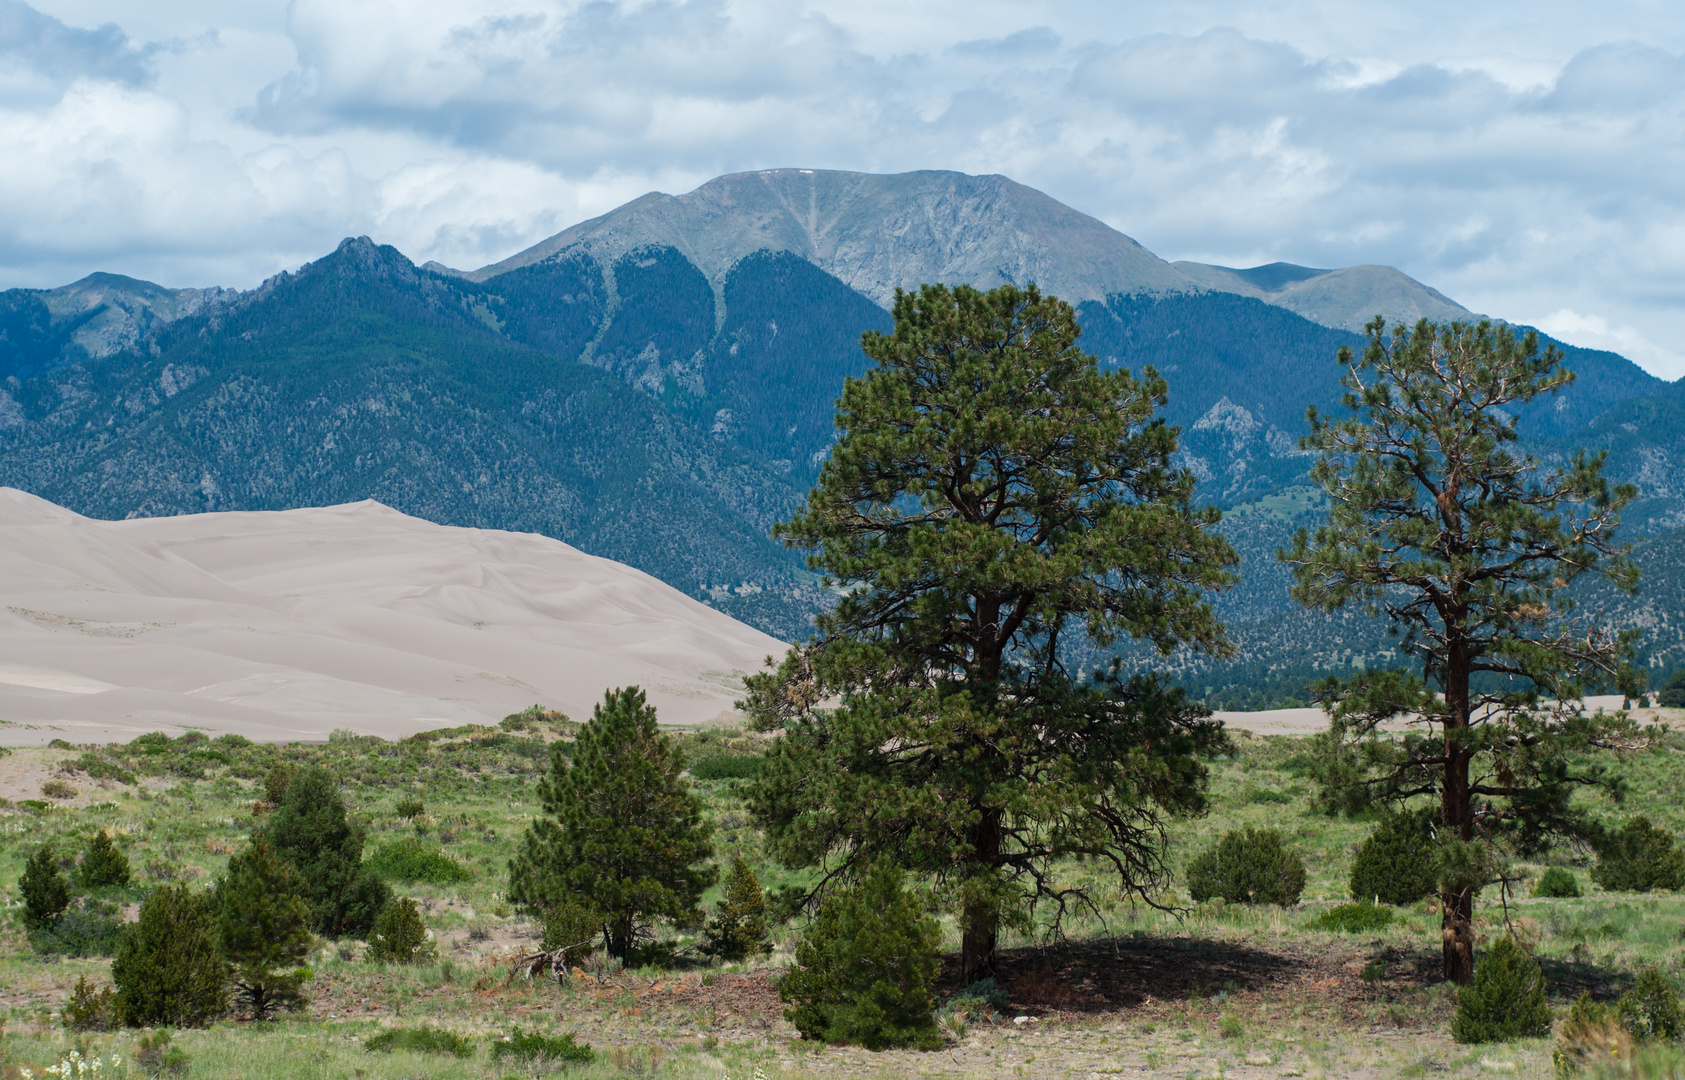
(1524, 158)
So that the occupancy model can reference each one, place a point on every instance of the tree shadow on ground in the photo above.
(1105, 974)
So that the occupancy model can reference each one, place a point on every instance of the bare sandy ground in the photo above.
(287, 625)
(1310, 721)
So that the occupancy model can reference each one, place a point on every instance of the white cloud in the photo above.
(1521, 157)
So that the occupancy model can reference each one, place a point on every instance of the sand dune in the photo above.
(287, 625)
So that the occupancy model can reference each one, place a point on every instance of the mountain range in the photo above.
(656, 385)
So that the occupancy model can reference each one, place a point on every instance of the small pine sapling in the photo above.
(263, 925)
(1397, 864)
(400, 936)
(738, 929)
(864, 969)
(103, 864)
(1505, 1000)
(46, 891)
(1558, 883)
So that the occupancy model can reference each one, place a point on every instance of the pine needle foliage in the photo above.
(169, 969)
(864, 970)
(400, 935)
(1638, 857)
(103, 863)
(1248, 866)
(1505, 1000)
(263, 927)
(1470, 548)
(738, 929)
(1398, 863)
(310, 830)
(621, 826)
(45, 889)
(991, 495)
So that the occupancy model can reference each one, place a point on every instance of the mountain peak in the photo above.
(878, 233)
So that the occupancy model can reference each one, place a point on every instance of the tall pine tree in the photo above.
(621, 830)
(993, 497)
(1469, 546)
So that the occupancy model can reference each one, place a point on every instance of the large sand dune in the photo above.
(287, 625)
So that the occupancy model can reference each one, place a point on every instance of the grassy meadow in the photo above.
(1208, 991)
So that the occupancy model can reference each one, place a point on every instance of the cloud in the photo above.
(1538, 180)
(41, 56)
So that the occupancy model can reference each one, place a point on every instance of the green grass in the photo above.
(188, 811)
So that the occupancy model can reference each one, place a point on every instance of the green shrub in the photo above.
(421, 1040)
(399, 937)
(1591, 1034)
(1248, 866)
(263, 928)
(156, 1057)
(1558, 883)
(88, 1009)
(1672, 695)
(1359, 918)
(103, 864)
(89, 927)
(310, 831)
(725, 765)
(58, 789)
(1650, 1010)
(535, 1047)
(1639, 857)
(738, 928)
(169, 969)
(981, 997)
(864, 968)
(1398, 863)
(45, 889)
(1505, 1000)
(275, 782)
(412, 860)
(409, 808)
(572, 924)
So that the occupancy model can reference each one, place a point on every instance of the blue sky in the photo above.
(1524, 158)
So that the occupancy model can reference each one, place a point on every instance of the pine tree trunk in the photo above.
(1457, 819)
(981, 919)
(1457, 934)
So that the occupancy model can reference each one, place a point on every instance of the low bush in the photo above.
(1505, 1000)
(88, 1009)
(421, 1040)
(1590, 1035)
(1360, 918)
(88, 927)
(156, 1057)
(1605, 1036)
(1397, 864)
(536, 1047)
(412, 860)
(409, 808)
(981, 998)
(58, 789)
(1557, 883)
(572, 924)
(865, 967)
(399, 936)
(1638, 858)
(276, 782)
(1650, 1010)
(1248, 866)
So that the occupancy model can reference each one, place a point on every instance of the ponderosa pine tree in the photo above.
(992, 495)
(622, 830)
(1468, 546)
(263, 927)
(311, 831)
